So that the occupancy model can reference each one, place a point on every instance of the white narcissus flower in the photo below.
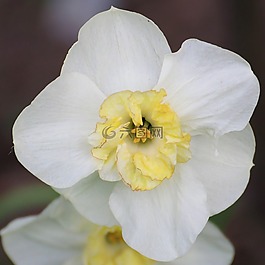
(135, 135)
(60, 236)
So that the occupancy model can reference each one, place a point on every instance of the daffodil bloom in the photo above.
(137, 136)
(60, 236)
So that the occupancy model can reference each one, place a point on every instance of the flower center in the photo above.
(140, 139)
(105, 246)
(142, 132)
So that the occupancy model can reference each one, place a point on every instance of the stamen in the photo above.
(114, 237)
(142, 132)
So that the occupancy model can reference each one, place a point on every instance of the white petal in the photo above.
(211, 247)
(211, 89)
(119, 50)
(51, 135)
(162, 223)
(66, 215)
(109, 171)
(222, 165)
(90, 197)
(42, 239)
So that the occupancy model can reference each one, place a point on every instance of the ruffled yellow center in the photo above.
(105, 246)
(140, 137)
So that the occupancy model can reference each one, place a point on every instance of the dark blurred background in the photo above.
(35, 37)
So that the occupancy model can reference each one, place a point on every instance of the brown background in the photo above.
(31, 55)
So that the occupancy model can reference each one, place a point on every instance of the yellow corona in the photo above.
(105, 246)
(141, 135)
